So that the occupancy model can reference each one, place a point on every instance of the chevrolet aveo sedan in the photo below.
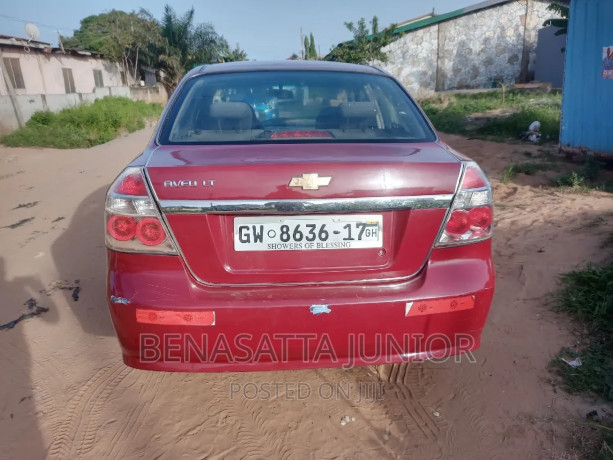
(341, 231)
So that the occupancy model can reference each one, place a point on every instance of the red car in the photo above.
(339, 232)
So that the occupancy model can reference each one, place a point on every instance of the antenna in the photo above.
(32, 32)
(59, 40)
(302, 50)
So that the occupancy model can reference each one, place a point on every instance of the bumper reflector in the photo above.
(175, 318)
(432, 306)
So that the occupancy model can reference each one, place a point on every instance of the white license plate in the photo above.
(289, 233)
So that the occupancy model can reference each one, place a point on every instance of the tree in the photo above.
(366, 46)
(561, 23)
(172, 45)
(120, 36)
(305, 52)
(187, 45)
(236, 54)
(312, 49)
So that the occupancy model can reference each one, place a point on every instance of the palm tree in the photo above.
(236, 54)
(187, 45)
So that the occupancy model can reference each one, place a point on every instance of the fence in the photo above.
(27, 104)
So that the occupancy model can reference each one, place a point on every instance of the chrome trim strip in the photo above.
(311, 206)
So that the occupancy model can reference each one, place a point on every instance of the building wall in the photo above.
(549, 65)
(587, 110)
(476, 50)
(30, 103)
(412, 60)
(36, 64)
(153, 94)
(45, 90)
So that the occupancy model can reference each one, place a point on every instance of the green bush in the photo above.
(41, 118)
(83, 126)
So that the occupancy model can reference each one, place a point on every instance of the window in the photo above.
(14, 71)
(98, 79)
(68, 81)
(294, 106)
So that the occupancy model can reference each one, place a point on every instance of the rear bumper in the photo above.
(292, 327)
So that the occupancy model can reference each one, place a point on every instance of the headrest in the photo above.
(358, 109)
(231, 110)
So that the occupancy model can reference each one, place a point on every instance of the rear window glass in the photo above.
(294, 106)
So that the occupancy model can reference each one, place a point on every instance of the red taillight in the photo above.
(471, 216)
(480, 217)
(458, 222)
(122, 228)
(149, 231)
(297, 134)
(133, 222)
(132, 184)
(473, 178)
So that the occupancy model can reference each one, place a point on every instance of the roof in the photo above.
(435, 19)
(255, 66)
(11, 37)
(431, 18)
(418, 18)
(7, 40)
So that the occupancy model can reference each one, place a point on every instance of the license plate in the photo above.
(307, 233)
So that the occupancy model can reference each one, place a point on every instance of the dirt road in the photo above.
(66, 394)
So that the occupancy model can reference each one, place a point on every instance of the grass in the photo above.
(83, 126)
(512, 126)
(525, 168)
(451, 113)
(590, 440)
(584, 179)
(587, 295)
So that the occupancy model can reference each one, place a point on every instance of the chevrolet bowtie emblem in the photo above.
(310, 181)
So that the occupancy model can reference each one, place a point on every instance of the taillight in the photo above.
(471, 216)
(132, 184)
(122, 228)
(133, 223)
(150, 231)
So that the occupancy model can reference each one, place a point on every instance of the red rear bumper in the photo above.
(290, 327)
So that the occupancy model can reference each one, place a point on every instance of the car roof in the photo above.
(257, 66)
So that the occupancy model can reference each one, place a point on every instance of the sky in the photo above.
(265, 29)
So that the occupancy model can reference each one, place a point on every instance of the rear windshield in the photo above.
(294, 106)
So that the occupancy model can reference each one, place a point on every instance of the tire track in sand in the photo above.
(407, 385)
(484, 428)
(245, 421)
(67, 431)
(148, 392)
(93, 424)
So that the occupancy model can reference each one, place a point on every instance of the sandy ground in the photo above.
(66, 394)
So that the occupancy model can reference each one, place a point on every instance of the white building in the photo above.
(42, 77)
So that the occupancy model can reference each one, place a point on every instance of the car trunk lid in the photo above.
(215, 197)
